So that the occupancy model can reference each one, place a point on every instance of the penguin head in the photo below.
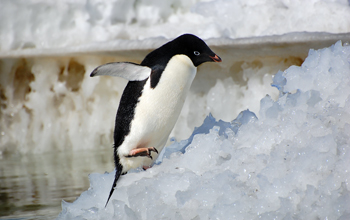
(190, 45)
(195, 48)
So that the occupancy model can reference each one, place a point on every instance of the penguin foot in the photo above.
(142, 152)
(146, 167)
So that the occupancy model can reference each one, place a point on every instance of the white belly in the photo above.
(157, 111)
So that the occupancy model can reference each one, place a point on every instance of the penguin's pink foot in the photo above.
(142, 152)
(146, 167)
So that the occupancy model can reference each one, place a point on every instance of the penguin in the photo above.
(152, 99)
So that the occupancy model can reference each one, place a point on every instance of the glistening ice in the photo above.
(292, 162)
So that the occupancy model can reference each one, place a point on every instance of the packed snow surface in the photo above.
(43, 24)
(292, 162)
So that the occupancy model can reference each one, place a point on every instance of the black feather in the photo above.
(118, 172)
(125, 114)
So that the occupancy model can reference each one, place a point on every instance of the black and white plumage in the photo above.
(153, 99)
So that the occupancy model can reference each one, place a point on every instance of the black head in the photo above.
(192, 46)
(195, 48)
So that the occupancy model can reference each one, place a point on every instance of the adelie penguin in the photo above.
(153, 99)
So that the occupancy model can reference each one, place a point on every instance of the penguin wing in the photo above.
(126, 70)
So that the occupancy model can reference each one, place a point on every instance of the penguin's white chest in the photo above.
(158, 110)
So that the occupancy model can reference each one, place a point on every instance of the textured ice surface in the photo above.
(292, 162)
(62, 24)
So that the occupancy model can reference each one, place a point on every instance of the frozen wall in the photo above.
(48, 49)
(53, 104)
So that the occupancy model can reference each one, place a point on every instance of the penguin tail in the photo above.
(118, 172)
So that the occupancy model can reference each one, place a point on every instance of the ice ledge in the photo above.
(271, 44)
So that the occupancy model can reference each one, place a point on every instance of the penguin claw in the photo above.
(142, 152)
(153, 149)
(150, 149)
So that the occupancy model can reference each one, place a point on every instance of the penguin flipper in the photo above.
(118, 172)
(126, 70)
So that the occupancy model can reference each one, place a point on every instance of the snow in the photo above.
(292, 162)
(46, 24)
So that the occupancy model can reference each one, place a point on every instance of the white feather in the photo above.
(157, 111)
(129, 71)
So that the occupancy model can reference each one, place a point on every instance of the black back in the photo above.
(125, 113)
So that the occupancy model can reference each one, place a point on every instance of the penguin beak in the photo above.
(216, 58)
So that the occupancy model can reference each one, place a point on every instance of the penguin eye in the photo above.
(196, 53)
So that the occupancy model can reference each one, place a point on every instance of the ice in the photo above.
(290, 163)
(64, 24)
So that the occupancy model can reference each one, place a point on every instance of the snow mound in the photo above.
(292, 163)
